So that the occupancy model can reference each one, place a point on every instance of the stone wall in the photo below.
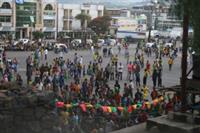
(25, 111)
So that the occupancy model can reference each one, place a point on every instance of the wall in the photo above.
(27, 112)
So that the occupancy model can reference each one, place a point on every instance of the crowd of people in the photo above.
(73, 81)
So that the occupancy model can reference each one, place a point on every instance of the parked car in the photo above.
(60, 47)
(24, 41)
(112, 42)
(150, 45)
(169, 45)
(76, 42)
(89, 41)
(100, 42)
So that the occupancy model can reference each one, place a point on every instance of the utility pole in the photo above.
(184, 54)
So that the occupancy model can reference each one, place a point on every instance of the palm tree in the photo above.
(83, 18)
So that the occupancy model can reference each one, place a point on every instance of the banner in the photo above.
(109, 109)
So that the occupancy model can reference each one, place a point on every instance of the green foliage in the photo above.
(38, 35)
(192, 6)
(100, 25)
(83, 17)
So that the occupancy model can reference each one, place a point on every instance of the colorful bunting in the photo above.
(110, 109)
(59, 104)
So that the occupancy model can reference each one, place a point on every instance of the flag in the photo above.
(20, 1)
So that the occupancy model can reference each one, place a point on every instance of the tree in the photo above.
(38, 35)
(83, 18)
(188, 10)
(100, 24)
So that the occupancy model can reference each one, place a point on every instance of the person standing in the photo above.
(148, 67)
(130, 68)
(120, 71)
(92, 49)
(145, 77)
(45, 54)
(170, 63)
(154, 77)
(1, 68)
(160, 75)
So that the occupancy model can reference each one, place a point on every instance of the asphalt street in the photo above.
(169, 78)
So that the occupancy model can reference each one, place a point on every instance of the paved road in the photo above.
(170, 78)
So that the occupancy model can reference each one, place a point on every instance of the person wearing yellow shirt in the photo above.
(170, 63)
(145, 92)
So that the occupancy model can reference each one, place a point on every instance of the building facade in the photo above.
(25, 18)
(49, 16)
(67, 22)
(7, 18)
(158, 14)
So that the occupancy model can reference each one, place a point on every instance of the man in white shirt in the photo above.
(45, 54)
(81, 60)
(92, 49)
(120, 71)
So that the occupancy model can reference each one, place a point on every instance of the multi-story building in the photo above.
(49, 16)
(7, 17)
(118, 12)
(158, 14)
(67, 22)
(25, 18)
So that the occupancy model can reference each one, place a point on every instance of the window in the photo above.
(65, 25)
(70, 12)
(99, 13)
(5, 5)
(70, 25)
(65, 13)
(49, 23)
(5, 18)
(83, 11)
(88, 12)
(48, 7)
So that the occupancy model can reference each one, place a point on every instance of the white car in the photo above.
(150, 44)
(112, 42)
(89, 41)
(168, 45)
(60, 45)
(100, 42)
(176, 33)
(24, 41)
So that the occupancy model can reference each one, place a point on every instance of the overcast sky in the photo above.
(100, 1)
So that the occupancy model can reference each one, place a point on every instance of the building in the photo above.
(118, 12)
(134, 27)
(49, 18)
(123, 24)
(158, 14)
(25, 18)
(7, 17)
(67, 22)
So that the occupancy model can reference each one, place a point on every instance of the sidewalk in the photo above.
(141, 128)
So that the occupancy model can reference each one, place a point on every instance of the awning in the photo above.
(9, 29)
(49, 29)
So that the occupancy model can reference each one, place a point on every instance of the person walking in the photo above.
(145, 77)
(170, 63)
(120, 71)
(45, 54)
(130, 68)
(154, 77)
